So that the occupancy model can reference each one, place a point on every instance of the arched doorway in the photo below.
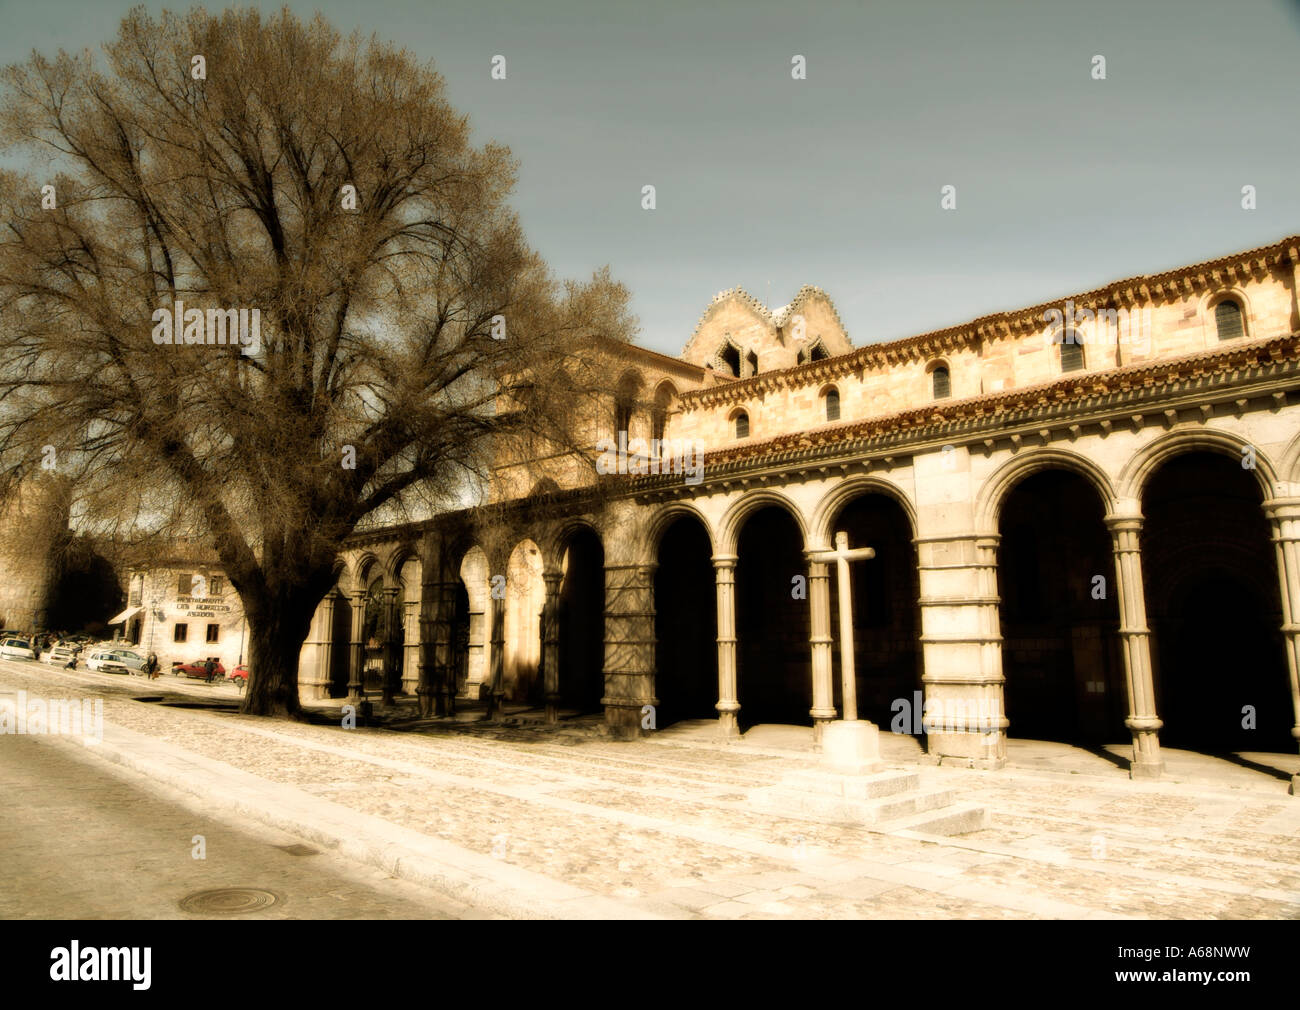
(1061, 653)
(582, 623)
(773, 662)
(686, 625)
(1214, 608)
(886, 649)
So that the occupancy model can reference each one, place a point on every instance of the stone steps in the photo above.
(888, 800)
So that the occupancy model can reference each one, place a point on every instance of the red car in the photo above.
(199, 670)
(240, 675)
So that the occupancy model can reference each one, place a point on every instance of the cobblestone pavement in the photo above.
(666, 824)
(81, 839)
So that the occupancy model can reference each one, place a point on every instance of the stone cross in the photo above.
(842, 556)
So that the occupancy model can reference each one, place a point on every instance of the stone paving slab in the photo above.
(656, 827)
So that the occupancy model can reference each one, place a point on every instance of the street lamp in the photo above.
(155, 605)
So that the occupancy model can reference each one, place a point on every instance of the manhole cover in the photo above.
(228, 901)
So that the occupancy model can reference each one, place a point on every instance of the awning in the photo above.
(126, 615)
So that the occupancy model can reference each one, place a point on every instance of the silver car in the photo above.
(16, 648)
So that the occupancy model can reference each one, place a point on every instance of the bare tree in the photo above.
(321, 186)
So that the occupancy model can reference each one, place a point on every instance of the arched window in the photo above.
(742, 425)
(832, 404)
(1071, 352)
(941, 382)
(665, 396)
(629, 387)
(1227, 319)
(729, 355)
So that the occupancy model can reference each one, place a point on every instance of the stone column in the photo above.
(390, 643)
(629, 648)
(313, 678)
(961, 642)
(326, 613)
(551, 644)
(823, 673)
(724, 573)
(1126, 533)
(1284, 516)
(356, 675)
(411, 646)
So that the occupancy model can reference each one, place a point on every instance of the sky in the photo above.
(1062, 182)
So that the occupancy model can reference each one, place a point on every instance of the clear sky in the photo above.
(1062, 182)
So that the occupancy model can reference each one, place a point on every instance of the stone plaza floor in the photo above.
(528, 820)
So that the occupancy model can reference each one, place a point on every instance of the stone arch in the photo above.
(995, 488)
(844, 491)
(1137, 472)
(556, 540)
(659, 522)
(1289, 467)
(363, 571)
(728, 532)
(397, 558)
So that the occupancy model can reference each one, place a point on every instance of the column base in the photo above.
(729, 725)
(1146, 770)
(851, 748)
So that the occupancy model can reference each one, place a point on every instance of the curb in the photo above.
(483, 882)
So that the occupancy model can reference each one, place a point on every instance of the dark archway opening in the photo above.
(773, 655)
(1061, 652)
(686, 625)
(340, 646)
(582, 624)
(886, 648)
(1214, 609)
(459, 659)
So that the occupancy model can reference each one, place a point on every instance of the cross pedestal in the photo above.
(850, 746)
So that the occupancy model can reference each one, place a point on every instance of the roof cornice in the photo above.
(1172, 285)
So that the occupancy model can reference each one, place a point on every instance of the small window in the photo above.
(742, 425)
(941, 382)
(184, 584)
(832, 404)
(1227, 319)
(1071, 352)
(214, 632)
(215, 585)
(730, 357)
(180, 633)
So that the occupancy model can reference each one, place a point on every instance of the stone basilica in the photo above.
(1085, 516)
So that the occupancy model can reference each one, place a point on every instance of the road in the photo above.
(81, 839)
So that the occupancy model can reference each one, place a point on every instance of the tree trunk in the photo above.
(276, 639)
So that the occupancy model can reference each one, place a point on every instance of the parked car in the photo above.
(60, 655)
(240, 675)
(114, 661)
(16, 648)
(198, 670)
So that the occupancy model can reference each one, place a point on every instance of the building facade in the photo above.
(1085, 515)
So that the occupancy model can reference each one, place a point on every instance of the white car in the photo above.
(108, 661)
(16, 648)
(59, 655)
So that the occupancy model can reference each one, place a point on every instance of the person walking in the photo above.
(211, 669)
(151, 666)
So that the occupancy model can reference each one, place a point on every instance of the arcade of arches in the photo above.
(1039, 594)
